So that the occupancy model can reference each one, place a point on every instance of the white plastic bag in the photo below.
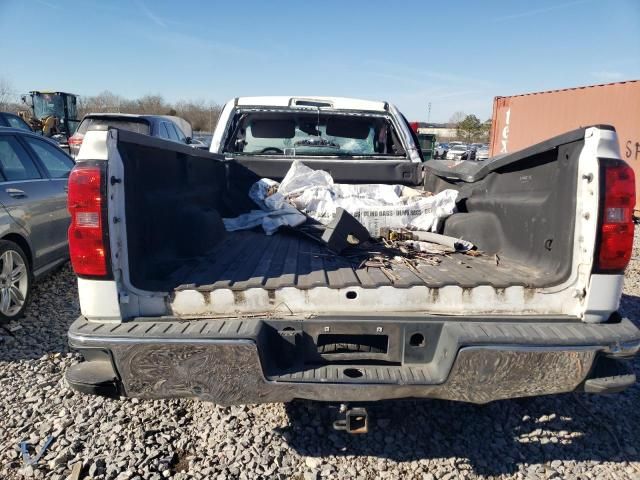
(300, 177)
(314, 193)
(374, 205)
(421, 213)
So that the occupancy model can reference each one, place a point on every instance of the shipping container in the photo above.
(523, 120)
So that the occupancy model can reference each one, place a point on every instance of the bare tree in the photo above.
(202, 115)
(456, 118)
(104, 102)
(152, 104)
(7, 94)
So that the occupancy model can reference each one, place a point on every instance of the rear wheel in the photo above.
(15, 281)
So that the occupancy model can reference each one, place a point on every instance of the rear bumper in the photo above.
(258, 360)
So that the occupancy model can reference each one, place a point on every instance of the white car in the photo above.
(456, 152)
(482, 153)
(440, 151)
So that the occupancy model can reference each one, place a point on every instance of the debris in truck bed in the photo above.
(372, 226)
(386, 254)
(343, 231)
(312, 193)
(423, 240)
(394, 248)
(427, 247)
(397, 247)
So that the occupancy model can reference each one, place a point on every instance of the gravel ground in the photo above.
(565, 436)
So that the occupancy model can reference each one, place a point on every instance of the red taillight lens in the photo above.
(414, 126)
(616, 227)
(76, 139)
(87, 245)
(75, 142)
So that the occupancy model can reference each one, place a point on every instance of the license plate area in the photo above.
(302, 345)
(331, 344)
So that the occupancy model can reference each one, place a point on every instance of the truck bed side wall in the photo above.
(524, 210)
(175, 204)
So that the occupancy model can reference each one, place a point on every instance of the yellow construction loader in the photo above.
(54, 114)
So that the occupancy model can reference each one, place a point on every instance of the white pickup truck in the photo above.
(173, 305)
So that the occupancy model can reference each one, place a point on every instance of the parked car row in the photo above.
(461, 151)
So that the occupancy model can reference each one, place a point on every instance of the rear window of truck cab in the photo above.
(137, 125)
(312, 133)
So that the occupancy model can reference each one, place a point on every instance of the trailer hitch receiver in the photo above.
(356, 421)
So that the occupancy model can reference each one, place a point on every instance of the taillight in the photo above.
(87, 233)
(75, 142)
(616, 221)
(414, 126)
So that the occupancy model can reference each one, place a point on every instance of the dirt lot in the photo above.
(568, 436)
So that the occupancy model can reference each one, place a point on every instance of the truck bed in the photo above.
(250, 259)
(180, 255)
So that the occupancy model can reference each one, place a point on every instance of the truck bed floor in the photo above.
(249, 259)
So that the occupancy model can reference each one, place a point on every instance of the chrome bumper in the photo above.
(473, 361)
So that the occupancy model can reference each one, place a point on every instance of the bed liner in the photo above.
(250, 259)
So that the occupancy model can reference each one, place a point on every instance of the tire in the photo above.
(16, 291)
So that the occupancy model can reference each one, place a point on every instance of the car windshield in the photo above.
(295, 133)
(47, 104)
(97, 123)
(459, 147)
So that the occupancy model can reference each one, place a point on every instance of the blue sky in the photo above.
(456, 55)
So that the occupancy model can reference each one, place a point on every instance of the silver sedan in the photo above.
(33, 215)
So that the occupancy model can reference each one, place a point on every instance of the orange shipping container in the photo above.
(523, 120)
